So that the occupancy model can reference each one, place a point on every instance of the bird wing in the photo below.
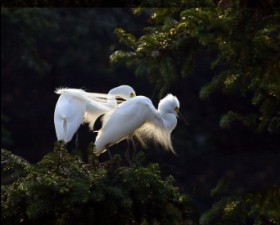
(82, 94)
(93, 111)
(95, 103)
(120, 123)
(107, 100)
(68, 116)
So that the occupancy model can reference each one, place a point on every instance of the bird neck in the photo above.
(169, 120)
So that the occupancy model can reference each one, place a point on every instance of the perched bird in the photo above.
(75, 106)
(137, 117)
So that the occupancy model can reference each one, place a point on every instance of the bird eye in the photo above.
(177, 110)
(132, 95)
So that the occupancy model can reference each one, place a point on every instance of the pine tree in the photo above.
(242, 40)
(61, 189)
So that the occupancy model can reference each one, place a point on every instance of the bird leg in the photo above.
(84, 153)
(127, 152)
(132, 156)
(133, 150)
(108, 150)
(77, 141)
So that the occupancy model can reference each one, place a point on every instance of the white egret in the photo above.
(76, 106)
(123, 91)
(138, 117)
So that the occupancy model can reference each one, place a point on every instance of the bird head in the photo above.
(124, 91)
(169, 104)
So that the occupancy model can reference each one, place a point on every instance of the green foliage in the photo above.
(244, 43)
(60, 189)
(12, 167)
(254, 208)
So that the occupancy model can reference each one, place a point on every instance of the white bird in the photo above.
(76, 106)
(123, 92)
(137, 117)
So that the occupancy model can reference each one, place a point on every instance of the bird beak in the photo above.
(181, 116)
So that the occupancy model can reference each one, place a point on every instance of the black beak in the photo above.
(183, 118)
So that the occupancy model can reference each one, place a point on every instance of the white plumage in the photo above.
(76, 106)
(139, 118)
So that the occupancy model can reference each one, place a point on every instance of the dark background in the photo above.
(42, 49)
